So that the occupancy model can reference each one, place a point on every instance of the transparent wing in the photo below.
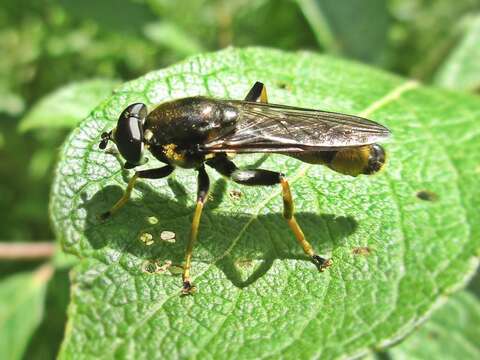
(264, 127)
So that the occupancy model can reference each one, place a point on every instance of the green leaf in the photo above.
(461, 70)
(347, 27)
(172, 37)
(47, 339)
(21, 309)
(423, 33)
(67, 106)
(474, 285)
(395, 253)
(10, 103)
(129, 16)
(217, 24)
(451, 333)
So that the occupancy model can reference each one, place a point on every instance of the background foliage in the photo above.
(51, 47)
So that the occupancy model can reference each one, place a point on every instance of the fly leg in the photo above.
(202, 193)
(145, 174)
(258, 92)
(261, 177)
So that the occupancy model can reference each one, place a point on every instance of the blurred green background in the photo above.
(46, 45)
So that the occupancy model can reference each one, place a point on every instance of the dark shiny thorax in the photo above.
(188, 121)
(174, 129)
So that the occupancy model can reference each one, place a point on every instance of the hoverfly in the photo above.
(196, 131)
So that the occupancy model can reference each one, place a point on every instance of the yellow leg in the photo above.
(258, 92)
(288, 210)
(202, 195)
(260, 177)
(123, 200)
(157, 173)
(188, 287)
(263, 95)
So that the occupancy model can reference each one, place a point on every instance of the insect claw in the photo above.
(321, 263)
(188, 288)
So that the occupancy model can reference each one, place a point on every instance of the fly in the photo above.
(196, 131)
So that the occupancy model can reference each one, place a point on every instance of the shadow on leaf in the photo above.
(241, 245)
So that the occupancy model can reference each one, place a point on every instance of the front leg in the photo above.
(143, 174)
(202, 193)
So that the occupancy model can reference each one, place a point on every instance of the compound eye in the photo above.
(138, 110)
(129, 133)
(376, 159)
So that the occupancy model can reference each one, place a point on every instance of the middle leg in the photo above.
(261, 177)
(202, 194)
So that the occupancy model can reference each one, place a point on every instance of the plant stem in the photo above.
(26, 251)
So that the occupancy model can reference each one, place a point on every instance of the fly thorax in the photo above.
(180, 157)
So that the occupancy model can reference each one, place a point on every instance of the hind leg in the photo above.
(258, 92)
(261, 177)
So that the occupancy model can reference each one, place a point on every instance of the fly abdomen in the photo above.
(354, 161)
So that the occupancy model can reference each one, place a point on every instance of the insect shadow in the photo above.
(242, 246)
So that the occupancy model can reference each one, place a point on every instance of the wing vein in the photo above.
(264, 127)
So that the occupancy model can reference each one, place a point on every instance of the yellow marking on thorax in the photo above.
(171, 153)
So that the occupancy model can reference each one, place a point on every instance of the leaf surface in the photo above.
(21, 309)
(451, 333)
(67, 106)
(461, 70)
(399, 240)
(347, 27)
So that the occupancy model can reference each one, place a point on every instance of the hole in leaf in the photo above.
(146, 238)
(362, 250)
(427, 195)
(152, 220)
(168, 236)
(155, 267)
(235, 194)
(244, 263)
(149, 267)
